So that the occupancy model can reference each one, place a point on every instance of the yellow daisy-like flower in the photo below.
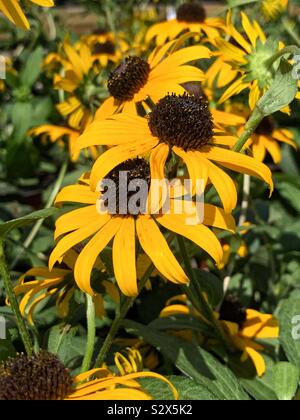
(246, 60)
(106, 47)
(13, 11)
(57, 134)
(80, 83)
(182, 125)
(272, 9)
(191, 17)
(126, 226)
(267, 139)
(135, 79)
(244, 327)
(60, 284)
(44, 377)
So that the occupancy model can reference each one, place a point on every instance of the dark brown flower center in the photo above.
(40, 377)
(125, 189)
(184, 121)
(191, 13)
(233, 311)
(128, 78)
(266, 127)
(107, 47)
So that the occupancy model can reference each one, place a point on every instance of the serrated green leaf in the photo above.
(289, 317)
(26, 220)
(286, 379)
(194, 362)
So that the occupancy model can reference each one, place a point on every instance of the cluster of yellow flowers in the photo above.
(154, 115)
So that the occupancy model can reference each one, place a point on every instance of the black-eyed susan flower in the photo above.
(190, 17)
(267, 139)
(182, 125)
(106, 47)
(44, 377)
(80, 82)
(244, 327)
(130, 228)
(13, 11)
(39, 284)
(273, 9)
(136, 79)
(246, 57)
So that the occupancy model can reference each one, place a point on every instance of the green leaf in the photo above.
(291, 193)
(21, 120)
(26, 220)
(180, 322)
(211, 285)
(281, 93)
(187, 389)
(32, 68)
(65, 345)
(289, 317)
(286, 380)
(194, 362)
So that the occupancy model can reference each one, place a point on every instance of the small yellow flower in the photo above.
(243, 60)
(191, 17)
(60, 284)
(272, 9)
(13, 11)
(244, 333)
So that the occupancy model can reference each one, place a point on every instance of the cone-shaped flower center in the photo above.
(183, 121)
(107, 47)
(40, 377)
(191, 13)
(128, 78)
(125, 189)
(233, 311)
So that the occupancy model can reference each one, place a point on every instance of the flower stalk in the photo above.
(13, 301)
(120, 316)
(91, 334)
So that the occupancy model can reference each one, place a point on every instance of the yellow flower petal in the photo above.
(124, 258)
(87, 258)
(156, 247)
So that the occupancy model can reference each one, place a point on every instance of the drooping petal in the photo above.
(199, 234)
(124, 258)
(156, 247)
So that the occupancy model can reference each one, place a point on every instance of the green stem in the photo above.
(49, 203)
(13, 301)
(199, 301)
(250, 127)
(91, 334)
(120, 316)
